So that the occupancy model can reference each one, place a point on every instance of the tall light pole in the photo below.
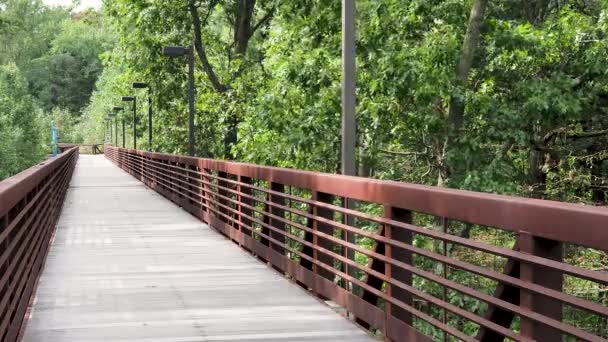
(115, 118)
(142, 85)
(113, 132)
(134, 99)
(108, 120)
(349, 88)
(187, 51)
(349, 104)
(117, 109)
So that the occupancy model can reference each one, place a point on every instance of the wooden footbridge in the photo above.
(139, 246)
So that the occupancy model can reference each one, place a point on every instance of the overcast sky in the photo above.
(83, 3)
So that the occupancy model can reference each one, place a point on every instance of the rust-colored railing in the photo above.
(409, 262)
(83, 148)
(30, 204)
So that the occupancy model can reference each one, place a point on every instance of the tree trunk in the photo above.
(536, 176)
(243, 27)
(456, 112)
(200, 48)
(536, 10)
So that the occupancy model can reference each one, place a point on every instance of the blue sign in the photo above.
(54, 142)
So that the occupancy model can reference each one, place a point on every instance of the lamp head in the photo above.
(118, 108)
(175, 51)
(140, 85)
(128, 98)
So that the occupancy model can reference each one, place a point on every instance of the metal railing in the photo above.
(83, 148)
(410, 262)
(30, 204)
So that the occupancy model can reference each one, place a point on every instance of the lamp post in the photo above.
(187, 51)
(349, 77)
(117, 109)
(112, 116)
(134, 99)
(108, 128)
(142, 85)
(349, 104)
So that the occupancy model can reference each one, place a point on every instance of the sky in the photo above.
(83, 3)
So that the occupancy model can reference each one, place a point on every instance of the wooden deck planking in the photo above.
(128, 265)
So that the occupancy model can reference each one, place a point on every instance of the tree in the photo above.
(20, 120)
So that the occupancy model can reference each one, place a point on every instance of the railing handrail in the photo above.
(12, 189)
(549, 219)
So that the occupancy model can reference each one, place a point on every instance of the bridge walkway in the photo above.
(128, 265)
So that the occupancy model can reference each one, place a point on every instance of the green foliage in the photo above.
(49, 65)
(20, 124)
(66, 75)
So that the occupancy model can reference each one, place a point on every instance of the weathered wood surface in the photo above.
(128, 265)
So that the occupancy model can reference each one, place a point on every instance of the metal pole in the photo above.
(123, 133)
(135, 122)
(349, 77)
(116, 131)
(191, 101)
(150, 119)
(349, 103)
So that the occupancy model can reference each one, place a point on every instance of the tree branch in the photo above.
(398, 153)
(200, 49)
(262, 21)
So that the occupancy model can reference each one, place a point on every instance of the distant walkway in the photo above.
(128, 265)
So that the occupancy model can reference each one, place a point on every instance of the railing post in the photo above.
(244, 212)
(399, 254)
(546, 277)
(207, 190)
(223, 184)
(192, 185)
(280, 238)
(326, 229)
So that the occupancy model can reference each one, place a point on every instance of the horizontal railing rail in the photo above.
(83, 148)
(30, 204)
(409, 262)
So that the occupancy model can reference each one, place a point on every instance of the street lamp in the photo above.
(108, 128)
(118, 109)
(134, 99)
(142, 85)
(113, 117)
(349, 105)
(187, 51)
